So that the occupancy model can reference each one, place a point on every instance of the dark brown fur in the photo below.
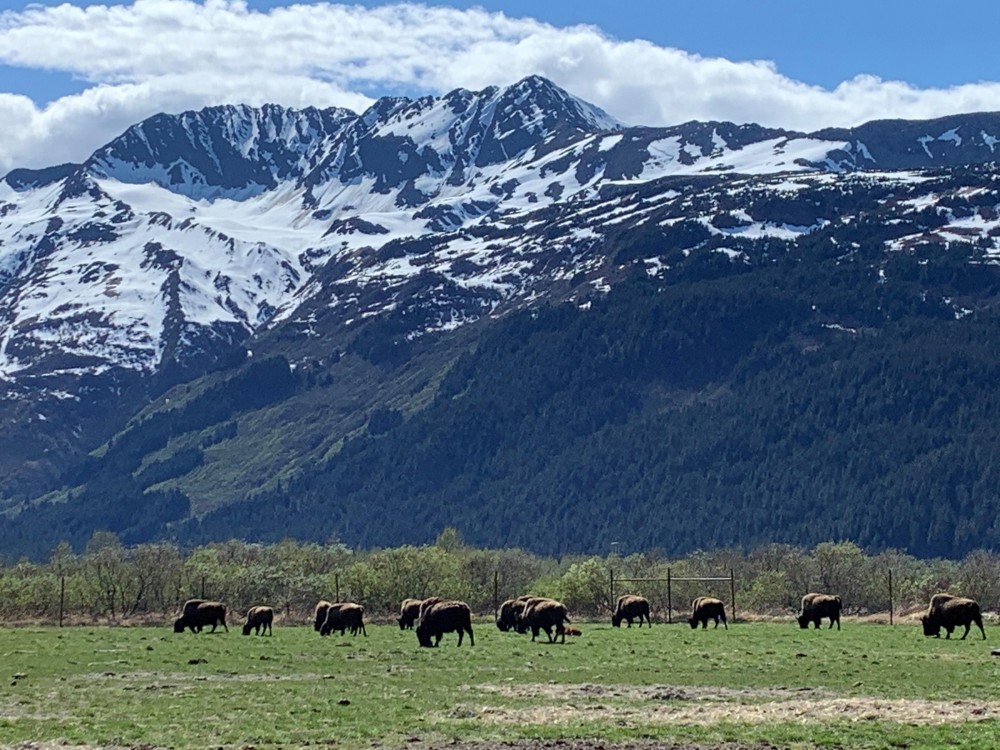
(344, 616)
(200, 614)
(319, 614)
(547, 614)
(706, 608)
(259, 619)
(409, 611)
(521, 607)
(949, 612)
(817, 606)
(445, 617)
(509, 612)
(631, 607)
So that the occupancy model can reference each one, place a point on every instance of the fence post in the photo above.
(670, 600)
(496, 594)
(732, 590)
(202, 585)
(62, 598)
(890, 596)
(336, 582)
(611, 587)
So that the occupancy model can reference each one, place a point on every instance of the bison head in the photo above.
(503, 626)
(247, 628)
(803, 621)
(616, 620)
(179, 625)
(932, 628)
(693, 622)
(402, 623)
(423, 637)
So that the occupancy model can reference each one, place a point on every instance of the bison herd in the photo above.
(432, 618)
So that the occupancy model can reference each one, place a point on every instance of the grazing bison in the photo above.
(409, 611)
(444, 617)
(521, 624)
(509, 613)
(344, 616)
(949, 612)
(631, 607)
(706, 608)
(427, 603)
(546, 614)
(199, 614)
(817, 606)
(259, 619)
(319, 614)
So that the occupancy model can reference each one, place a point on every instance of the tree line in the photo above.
(112, 582)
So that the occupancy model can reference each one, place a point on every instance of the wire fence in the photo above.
(149, 583)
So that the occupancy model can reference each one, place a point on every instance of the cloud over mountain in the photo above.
(172, 55)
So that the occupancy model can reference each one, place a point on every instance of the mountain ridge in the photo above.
(367, 252)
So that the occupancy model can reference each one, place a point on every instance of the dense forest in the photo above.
(772, 405)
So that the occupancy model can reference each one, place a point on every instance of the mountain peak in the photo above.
(220, 151)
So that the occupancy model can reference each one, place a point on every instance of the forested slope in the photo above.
(773, 405)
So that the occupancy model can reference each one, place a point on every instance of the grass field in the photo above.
(865, 686)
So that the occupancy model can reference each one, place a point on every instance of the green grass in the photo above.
(131, 686)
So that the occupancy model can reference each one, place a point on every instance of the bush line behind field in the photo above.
(109, 581)
(135, 686)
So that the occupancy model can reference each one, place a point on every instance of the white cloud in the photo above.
(171, 55)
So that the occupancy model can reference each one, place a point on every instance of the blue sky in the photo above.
(71, 79)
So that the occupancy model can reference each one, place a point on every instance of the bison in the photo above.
(521, 608)
(259, 619)
(445, 617)
(344, 616)
(706, 608)
(510, 612)
(198, 614)
(546, 614)
(409, 611)
(817, 606)
(427, 603)
(319, 614)
(949, 612)
(631, 607)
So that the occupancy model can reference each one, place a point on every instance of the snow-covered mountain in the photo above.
(189, 234)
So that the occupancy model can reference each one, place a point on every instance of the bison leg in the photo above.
(979, 622)
(472, 639)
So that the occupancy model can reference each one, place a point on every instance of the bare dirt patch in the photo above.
(628, 705)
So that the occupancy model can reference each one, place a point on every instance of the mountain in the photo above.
(220, 314)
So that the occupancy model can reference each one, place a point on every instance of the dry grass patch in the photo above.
(650, 705)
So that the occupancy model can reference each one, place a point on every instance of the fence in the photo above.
(669, 580)
(149, 582)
